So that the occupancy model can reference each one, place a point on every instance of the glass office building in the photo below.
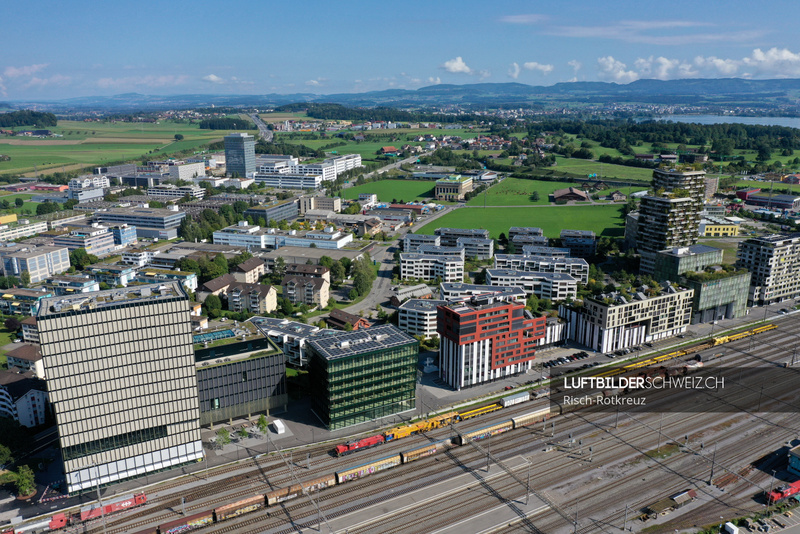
(362, 375)
(240, 154)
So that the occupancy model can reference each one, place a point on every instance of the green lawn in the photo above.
(603, 220)
(605, 171)
(406, 190)
(518, 191)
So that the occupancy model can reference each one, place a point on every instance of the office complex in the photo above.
(149, 222)
(39, 262)
(362, 375)
(671, 263)
(774, 262)
(122, 382)
(240, 154)
(486, 339)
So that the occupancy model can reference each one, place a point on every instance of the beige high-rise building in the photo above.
(121, 378)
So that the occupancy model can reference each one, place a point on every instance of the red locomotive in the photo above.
(783, 492)
(352, 446)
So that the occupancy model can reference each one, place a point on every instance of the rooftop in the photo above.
(692, 250)
(349, 344)
(113, 297)
(422, 304)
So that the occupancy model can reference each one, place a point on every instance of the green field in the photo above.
(518, 191)
(603, 220)
(387, 190)
(97, 143)
(26, 208)
(605, 171)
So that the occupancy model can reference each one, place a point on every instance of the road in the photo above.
(263, 131)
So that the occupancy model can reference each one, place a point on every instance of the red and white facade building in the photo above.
(486, 339)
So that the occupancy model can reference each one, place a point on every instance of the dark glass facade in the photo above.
(363, 386)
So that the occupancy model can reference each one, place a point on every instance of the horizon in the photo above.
(89, 49)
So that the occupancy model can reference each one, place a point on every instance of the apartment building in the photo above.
(412, 242)
(774, 262)
(431, 268)
(306, 290)
(460, 291)
(576, 267)
(449, 236)
(39, 262)
(581, 243)
(615, 321)
(552, 286)
(475, 247)
(418, 317)
(486, 339)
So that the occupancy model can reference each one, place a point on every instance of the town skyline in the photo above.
(86, 48)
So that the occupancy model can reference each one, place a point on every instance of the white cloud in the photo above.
(514, 70)
(663, 68)
(524, 19)
(56, 79)
(30, 70)
(146, 81)
(614, 70)
(533, 65)
(575, 64)
(434, 80)
(724, 67)
(213, 78)
(313, 83)
(483, 74)
(778, 62)
(3, 90)
(456, 65)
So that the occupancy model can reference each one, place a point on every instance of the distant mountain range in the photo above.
(766, 94)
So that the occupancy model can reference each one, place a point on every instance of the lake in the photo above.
(791, 122)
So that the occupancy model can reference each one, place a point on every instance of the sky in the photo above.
(54, 50)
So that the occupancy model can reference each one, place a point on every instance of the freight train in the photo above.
(689, 350)
(86, 513)
(426, 425)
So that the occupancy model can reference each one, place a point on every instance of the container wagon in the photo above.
(192, 522)
(485, 432)
(284, 494)
(244, 506)
(511, 400)
(367, 469)
(529, 418)
(427, 450)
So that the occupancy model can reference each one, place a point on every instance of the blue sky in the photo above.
(53, 50)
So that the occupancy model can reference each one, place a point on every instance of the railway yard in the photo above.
(588, 471)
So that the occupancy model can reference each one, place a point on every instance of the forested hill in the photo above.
(27, 118)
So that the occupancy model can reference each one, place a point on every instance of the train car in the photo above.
(519, 398)
(188, 523)
(421, 426)
(367, 469)
(352, 446)
(537, 416)
(93, 511)
(244, 506)
(427, 450)
(463, 416)
(783, 492)
(296, 490)
(485, 432)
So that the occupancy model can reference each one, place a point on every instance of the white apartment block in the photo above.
(89, 182)
(325, 170)
(462, 291)
(288, 181)
(429, 268)
(412, 242)
(187, 171)
(239, 183)
(613, 321)
(553, 286)
(173, 191)
(23, 229)
(138, 257)
(345, 162)
(575, 267)
(774, 262)
(475, 247)
(417, 317)
(434, 250)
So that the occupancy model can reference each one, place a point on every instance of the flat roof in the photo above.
(357, 342)
(422, 304)
(111, 297)
(691, 250)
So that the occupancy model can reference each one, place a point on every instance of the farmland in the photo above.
(97, 143)
(518, 192)
(603, 220)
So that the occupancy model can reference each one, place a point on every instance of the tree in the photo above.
(47, 207)
(213, 303)
(79, 258)
(242, 433)
(178, 137)
(18, 202)
(24, 480)
(5, 455)
(13, 324)
(337, 271)
(262, 424)
(25, 278)
(223, 437)
(348, 327)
